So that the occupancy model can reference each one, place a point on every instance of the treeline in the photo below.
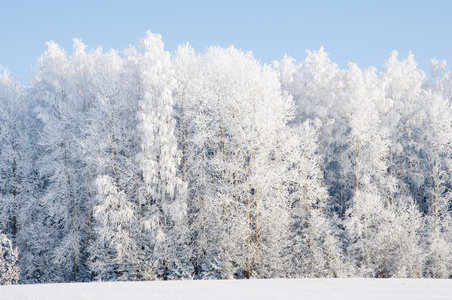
(142, 165)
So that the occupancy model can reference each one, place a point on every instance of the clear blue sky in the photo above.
(363, 31)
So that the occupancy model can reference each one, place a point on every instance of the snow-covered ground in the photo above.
(312, 289)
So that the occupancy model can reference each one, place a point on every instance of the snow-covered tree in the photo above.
(234, 163)
(9, 267)
(383, 232)
(113, 252)
(106, 144)
(162, 197)
(140, 166)
(60, 165)
(17, 155)
(383, 242)
(315, 246)
(438, 247)
(317, 88)
(401, 113)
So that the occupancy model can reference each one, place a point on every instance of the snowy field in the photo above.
(309, 289)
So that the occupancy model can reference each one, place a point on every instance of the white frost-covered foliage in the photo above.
(9, 267)
(163, 191)
(383, 242)
(113, 252)
(231, 119)
(141, 165)
(60, 166)
(18, 139)
(315, 250)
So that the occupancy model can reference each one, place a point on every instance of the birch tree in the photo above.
(60, 164)
(163, 190)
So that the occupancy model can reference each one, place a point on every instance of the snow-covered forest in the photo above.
(143, 165)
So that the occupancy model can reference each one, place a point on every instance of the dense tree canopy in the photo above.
(146, 165)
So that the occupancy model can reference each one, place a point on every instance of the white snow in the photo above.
(312, 289)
